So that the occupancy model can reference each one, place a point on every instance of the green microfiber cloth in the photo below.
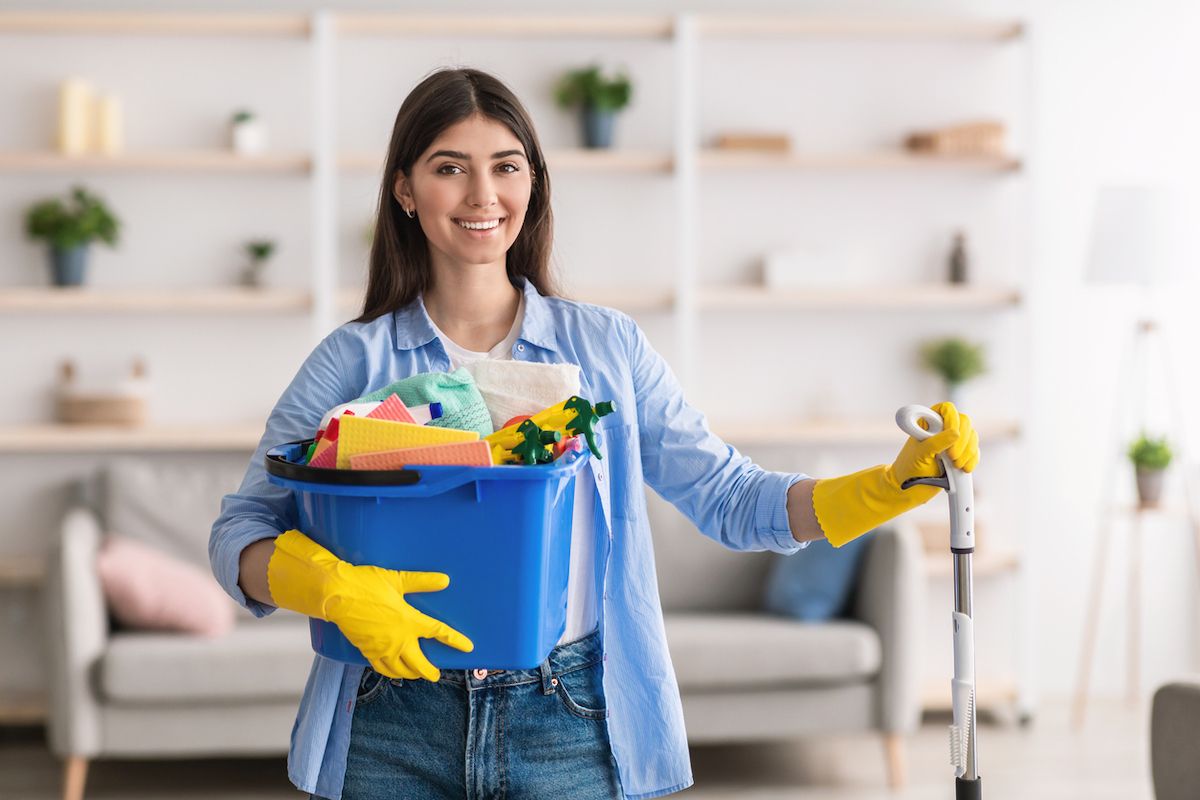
(462, 404)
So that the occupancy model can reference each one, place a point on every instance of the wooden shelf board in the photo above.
(985, 563)
(183, 299)
(508, 25)
(523, 26)
(180, 161)
(833, 432)
(859, 27)
(726, 159)
(21, 570)
(55, 438)
(569, 159)
(634, 299)
(930, 296)
(288, 25)
(627, 299)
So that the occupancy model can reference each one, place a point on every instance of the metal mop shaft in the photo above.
(960, 490)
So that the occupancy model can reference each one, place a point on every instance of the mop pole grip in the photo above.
(960, 487)
(968, 790)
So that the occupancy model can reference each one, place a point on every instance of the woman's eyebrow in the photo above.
(466, 157)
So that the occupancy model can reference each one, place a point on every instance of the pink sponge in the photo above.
(392, 408)
(325, 456)
(467, 454)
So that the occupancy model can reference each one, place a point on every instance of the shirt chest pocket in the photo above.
(619, 473)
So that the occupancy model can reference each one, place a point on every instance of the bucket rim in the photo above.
(278, 466)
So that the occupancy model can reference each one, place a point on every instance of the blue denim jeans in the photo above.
(486, 734)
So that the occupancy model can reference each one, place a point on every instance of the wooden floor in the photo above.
(1043, 761)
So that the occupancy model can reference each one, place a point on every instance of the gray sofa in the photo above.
(127, 694)
(745, 675)
(124, 694)
(1175, 739)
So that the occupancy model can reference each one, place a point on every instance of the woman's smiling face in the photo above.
(470, 190)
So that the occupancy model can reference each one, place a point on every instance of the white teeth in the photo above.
(478, 226)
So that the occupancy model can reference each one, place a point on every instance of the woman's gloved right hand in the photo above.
(366, 603)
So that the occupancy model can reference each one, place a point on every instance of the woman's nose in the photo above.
(481, 193)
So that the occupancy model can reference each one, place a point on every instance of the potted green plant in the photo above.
(956, 361)
(1150, 458)
(259, 251)
(69, 228)
(599, 97)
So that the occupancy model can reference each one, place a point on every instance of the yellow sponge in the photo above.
(358, 435)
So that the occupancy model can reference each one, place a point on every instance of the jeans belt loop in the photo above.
(547, 686)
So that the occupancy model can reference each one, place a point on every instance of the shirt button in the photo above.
(600, 477)
(480, 674)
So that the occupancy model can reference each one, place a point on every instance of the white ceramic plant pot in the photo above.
(1149, 487)
(249, 138)
(954, 394)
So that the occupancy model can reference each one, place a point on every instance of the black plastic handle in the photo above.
(968, 790)
(278, 465)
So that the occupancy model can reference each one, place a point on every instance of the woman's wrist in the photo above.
(252, 570)
(801, 517)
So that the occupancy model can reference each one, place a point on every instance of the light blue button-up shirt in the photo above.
(653, 438)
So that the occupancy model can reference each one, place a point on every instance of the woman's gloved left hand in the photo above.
(849, 506)
(366, 603)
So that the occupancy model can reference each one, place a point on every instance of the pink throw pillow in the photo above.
(146, 588)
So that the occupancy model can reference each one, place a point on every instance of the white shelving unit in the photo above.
(681, 294)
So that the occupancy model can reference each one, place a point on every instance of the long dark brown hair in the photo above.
(400, 267)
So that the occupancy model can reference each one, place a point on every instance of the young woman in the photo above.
(460, 270)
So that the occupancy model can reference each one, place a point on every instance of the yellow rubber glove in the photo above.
(849, 506)
(366, 603)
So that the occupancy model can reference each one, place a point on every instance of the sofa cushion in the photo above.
(168, 505)
(722, 651)
(251, 662)
(148, 589)
(814, 584)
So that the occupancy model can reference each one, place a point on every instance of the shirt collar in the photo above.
(415, 329)
(538, 326)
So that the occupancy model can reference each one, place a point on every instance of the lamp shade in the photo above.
(1137, 237)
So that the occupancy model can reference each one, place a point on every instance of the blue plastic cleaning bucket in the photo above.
(502, 534)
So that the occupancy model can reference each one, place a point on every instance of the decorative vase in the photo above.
(68, 264)
(597, 127)
(1149, 487)
(954, 394)
(252, 275)
(249, 137)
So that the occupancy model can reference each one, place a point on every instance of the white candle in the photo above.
(74, 107)
(109, 130)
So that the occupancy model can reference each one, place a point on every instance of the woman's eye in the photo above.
(507, 168)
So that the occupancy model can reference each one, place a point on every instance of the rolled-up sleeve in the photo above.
(260, 509)
(724, 494)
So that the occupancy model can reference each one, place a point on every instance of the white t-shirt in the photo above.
(581, 589)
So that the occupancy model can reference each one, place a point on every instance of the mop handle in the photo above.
(960, 487)
(960, 491)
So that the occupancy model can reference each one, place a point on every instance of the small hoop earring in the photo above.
(410, 213)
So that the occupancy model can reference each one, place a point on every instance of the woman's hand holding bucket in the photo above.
(365, 602)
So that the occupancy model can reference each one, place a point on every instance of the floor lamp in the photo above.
(1136, 241)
